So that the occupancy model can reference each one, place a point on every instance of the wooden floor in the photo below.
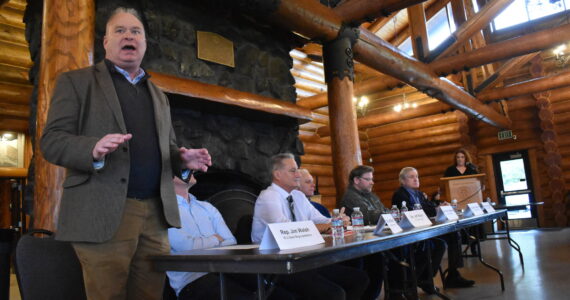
(546, 275)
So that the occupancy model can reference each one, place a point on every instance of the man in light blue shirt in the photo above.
(202, 227)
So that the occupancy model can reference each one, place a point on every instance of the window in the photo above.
(440, 27)
(406, 46)
(521, 11)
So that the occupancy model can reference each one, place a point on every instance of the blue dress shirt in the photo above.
(200, 220)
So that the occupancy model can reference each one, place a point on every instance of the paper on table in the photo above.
(236, 247)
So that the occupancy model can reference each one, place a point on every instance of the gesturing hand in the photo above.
(108, 144)
(196, 159)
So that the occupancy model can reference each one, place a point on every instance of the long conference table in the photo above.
(264, 262)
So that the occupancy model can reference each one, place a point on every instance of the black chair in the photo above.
(47, 269)
(236, 207)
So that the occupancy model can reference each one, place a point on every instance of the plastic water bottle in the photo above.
(337, 225)
(395, 212)
(454, 204)
(357, 219)
(404, 208)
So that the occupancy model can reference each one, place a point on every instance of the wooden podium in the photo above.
(466, 189)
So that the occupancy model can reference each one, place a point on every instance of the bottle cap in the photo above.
(403, 203)
(356, 208)
(454, 201)
(394, 206)
(336, 211)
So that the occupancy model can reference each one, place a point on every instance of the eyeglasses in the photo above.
(294, 170)
(367, 179)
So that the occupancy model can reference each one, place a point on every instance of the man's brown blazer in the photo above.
(84, 108)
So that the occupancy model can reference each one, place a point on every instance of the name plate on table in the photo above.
(414, 219)
(473, 209)
(387, 219)
(446, 213)
(290, 235)
(488, 207)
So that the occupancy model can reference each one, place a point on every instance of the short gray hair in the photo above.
(126, 10)
(277, 160)
(405, 171)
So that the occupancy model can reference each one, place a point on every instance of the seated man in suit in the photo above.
(282, 202)
(307, 187)
(202, 227)
(409, 192)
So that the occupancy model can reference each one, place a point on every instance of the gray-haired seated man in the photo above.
(282, 202)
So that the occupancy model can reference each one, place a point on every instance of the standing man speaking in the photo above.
(110, 127)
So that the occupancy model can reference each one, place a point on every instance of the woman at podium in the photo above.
(462, 165)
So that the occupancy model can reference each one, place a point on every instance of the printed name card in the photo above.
(488, 207)
(473, 209)
(446, 213)
(414, 219)
(290, 235)
(387, 219)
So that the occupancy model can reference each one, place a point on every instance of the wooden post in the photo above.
(339, 75)
(418, 31)
(549, 138)
(67, 44)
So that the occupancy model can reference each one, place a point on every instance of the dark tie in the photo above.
(291, 208)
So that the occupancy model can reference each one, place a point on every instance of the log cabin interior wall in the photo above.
(425, 138)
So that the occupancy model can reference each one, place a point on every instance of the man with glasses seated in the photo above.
(359, 194)
(282, 202)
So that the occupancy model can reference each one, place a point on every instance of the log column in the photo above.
(549, 138)
(67, 44)
(339, 75)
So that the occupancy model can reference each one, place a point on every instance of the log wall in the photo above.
(318, 156)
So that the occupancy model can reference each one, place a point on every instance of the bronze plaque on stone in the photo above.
(215, 48)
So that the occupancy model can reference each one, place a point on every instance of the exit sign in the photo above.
(506, 134)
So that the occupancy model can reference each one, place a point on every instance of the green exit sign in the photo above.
(506, 134)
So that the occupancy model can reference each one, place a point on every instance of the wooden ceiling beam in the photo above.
(418, 31)
(314, 20)
(503, 71)
(360, 10)
(525, 44)
(473, 25)
(527, 87)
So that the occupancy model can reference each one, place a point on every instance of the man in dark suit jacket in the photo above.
(110, 128)
(409, 192)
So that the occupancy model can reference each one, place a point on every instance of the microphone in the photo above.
(471, 166)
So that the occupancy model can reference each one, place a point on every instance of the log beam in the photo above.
(503, 70)
(358, 10)
(191, 88)
(491, 53)
(15, 93)
(473, 25)
(418, 31)
(67, 43)
(527, 87)
(525, 44)
(313, 20)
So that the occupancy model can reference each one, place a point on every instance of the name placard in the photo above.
(446, 213)
(387, 219)
(290, 235)
(488, 207)
(414, 219)
(473, 209)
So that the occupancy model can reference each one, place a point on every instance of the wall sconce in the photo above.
(560, 55)
(404, 105)
(361, 104)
